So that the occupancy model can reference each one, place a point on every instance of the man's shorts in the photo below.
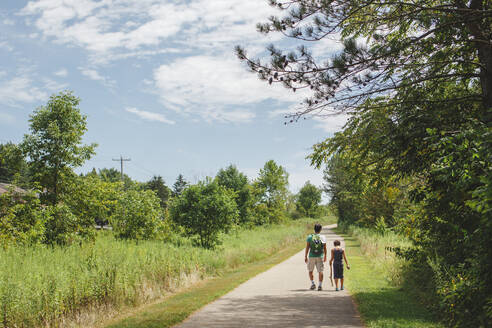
(315, 261)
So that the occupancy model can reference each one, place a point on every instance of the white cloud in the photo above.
(123, 27)
(208, 86)
(149, 116)
(94, 75)
(20, 89)
(61, 73)
(331, 123)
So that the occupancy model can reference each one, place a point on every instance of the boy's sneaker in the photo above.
(320, 288)
(336, 289)
(313, 287)
(341, 288)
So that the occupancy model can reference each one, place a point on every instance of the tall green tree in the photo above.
(308, 199)
(231, 178)
(271, 193)
(162, 191)
(273, 181)
(179, 185)
(54, 146)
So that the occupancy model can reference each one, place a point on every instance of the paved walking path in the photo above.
(280, 297)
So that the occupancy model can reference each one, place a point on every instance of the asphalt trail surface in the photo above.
(280, 297)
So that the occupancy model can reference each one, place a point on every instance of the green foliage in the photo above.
(46, 286)
(179, 185)
(22, 219)
(376, 280)
(231, 178)
(308, 200)
(270, 194)
(13, 166)
(204, 211)
(162, 191)
(137, 215)
(54, 145)
(114, 175)
(62, 227)
(403, 46)
(93, 200)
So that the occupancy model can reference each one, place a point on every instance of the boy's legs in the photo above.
(336, 283)
(341, 283)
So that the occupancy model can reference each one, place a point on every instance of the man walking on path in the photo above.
(316, 247)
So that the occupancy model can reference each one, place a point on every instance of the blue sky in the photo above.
(160, 84)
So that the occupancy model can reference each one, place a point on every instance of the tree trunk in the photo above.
(485, 58)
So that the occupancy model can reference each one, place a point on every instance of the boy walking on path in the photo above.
(337, 255)
(316, 247)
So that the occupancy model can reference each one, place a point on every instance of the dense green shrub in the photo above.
(204, 211)
(22, 219)
(93, 200)
(62, 226)
(137, 215)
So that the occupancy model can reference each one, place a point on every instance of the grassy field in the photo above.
(374, 280)
(178, 307)
(81, 284)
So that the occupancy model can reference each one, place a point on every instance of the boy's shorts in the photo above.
(338, 270)
(315, 261)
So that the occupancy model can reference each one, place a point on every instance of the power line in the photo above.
(121, 160)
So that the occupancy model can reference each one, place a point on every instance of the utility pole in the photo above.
(121, 160)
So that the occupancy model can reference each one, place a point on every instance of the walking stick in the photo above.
(331, 275)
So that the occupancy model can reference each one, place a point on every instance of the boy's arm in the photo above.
(345, 258)
(331, 260)
(324, 248)
(306, 252)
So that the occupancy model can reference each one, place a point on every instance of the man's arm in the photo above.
(306, 252)
(331, 260)
(325, 251)
(345, 258)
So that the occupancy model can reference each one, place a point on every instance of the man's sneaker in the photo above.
(320, 288)
(313, 287)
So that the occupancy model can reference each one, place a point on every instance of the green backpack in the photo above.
(316, 245)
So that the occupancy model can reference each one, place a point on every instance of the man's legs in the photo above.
(310, 267)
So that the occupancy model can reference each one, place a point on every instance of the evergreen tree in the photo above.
(179, 185)
(162, 191)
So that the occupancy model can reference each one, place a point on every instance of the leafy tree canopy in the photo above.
(204, 211)
(54, 146)
(308, 199)
(388, 47)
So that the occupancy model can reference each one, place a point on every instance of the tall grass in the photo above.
(42, 286)
(374, 245)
